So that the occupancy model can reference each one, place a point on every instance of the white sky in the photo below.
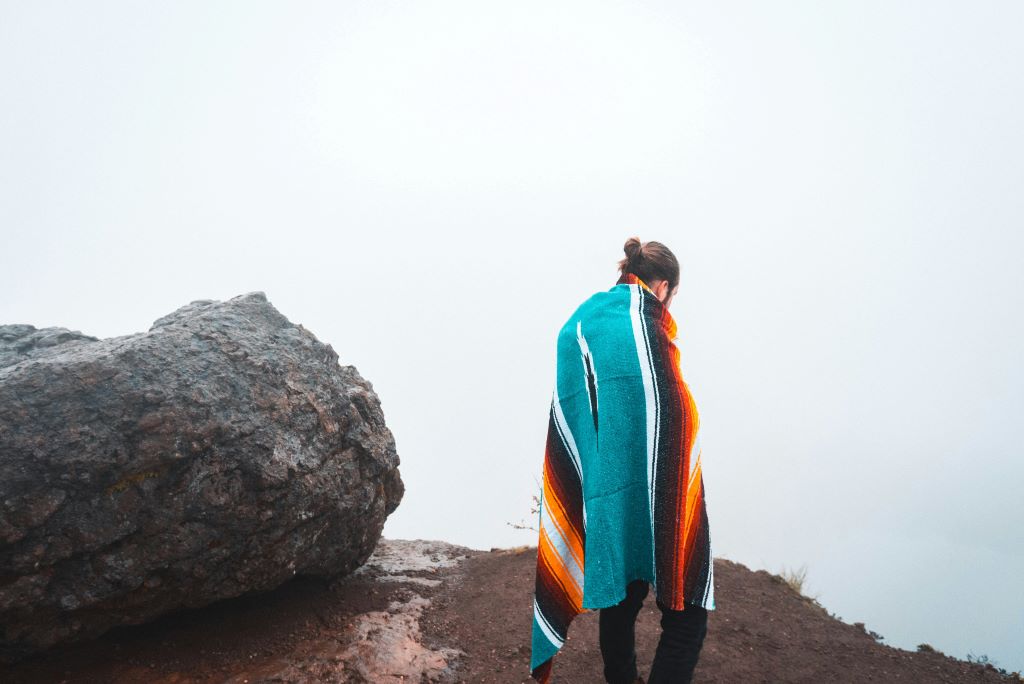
(432, 188)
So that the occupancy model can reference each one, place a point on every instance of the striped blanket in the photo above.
(622, 495)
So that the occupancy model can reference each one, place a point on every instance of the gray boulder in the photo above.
(221, 452)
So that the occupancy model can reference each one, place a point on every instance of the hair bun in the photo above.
(633, 249)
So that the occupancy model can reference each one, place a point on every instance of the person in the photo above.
(622, 502)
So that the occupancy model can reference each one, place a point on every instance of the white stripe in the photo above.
(569, 443)
(709, 591)
(643, 351)
(542, 622)
(567, 439)
(560, 544)
(708, 597)
(694, 459)
(570, 446)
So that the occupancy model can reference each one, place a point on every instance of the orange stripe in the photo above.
(691, 537)
(681, 499)
(693, 494)
(561, 573)
(680, 549)
(694, 498)
(556, 510)
(551, 561)
(689, 497)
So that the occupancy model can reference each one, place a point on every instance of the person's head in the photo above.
(653, 263)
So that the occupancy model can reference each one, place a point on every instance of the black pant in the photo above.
(682, 636)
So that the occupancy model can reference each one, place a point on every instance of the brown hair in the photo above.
(650, 261)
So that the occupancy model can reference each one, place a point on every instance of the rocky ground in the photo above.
(429, 611)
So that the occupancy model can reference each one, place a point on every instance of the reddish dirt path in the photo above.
(761, 631)
(451, 614)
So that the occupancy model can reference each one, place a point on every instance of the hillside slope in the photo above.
(436, 612)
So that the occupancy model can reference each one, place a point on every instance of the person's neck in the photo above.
(634, 279)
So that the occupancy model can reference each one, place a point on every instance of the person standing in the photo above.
(622, 503)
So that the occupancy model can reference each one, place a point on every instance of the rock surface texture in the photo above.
(223, 451)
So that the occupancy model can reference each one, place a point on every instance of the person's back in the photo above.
(602, 399)
(622, 502)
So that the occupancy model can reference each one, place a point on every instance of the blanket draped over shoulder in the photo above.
(622, 496)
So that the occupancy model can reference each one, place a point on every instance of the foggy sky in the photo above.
(433, 188)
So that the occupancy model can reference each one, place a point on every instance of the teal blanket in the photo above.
(622, 495)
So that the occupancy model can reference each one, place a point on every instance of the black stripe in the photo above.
(592, 386)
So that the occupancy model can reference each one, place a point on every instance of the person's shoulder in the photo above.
(616, 297)
(588, 305)
(597, 305)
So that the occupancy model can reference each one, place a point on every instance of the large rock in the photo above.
(223, 451)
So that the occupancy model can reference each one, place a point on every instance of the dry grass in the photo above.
(795, 579)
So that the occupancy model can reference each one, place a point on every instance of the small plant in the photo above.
(925, 648)
(990, 664)
(534, 510)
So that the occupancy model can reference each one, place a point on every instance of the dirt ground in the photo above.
(761, 631)
(427, 611)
